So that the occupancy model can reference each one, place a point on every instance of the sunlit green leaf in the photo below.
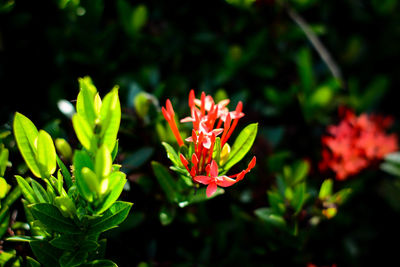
(25, 133)
(241, 145)
(111, 218)
(46, 154)
(52, 218)
(83, 131)
(110, 117)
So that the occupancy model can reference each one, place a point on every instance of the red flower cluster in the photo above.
(355, 143)
(207, 118)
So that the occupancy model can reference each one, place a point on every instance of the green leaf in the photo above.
(114, 152)
(65, 242)
(139, 17)
(166, 181)
(117, 183)
(52, 218)
(46, 154)
(4, 223)
(46, 253)
(40, 193)
(103, 162)
(83, 131)
(31, 262)
(25, 133)
(304, 67)
(73, 258)
(326, 189)
(27, 190)
(27, 239)
(110, 117)
(167, 214)
(341, 196)
(299, 197)
(393, 158)
(299, 172)
(81, 160)
(390, 168)
(199, 196)
(111, 218)
(241, 145)
(172, 155)
(3, 159)
(268, 216)
(100, 263)
(65, 173)
(85, 105)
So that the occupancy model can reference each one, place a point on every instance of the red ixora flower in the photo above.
(355, 143)
(209, 120)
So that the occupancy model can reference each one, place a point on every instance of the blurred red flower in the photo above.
(355, 143)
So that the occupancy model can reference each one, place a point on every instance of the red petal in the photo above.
(191, 98)
(203, 179)
(166, 114)
(169, 108)
(225, 181)
(211, 189)
(214, 169)
(251, 164)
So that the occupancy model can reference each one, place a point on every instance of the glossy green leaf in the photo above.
(299, 172)
(83, 131)
(25, 133)
(172, 155)
(85, 105)
(65, 242)
(103, 162)
(73, 258)
(199, 195)
(4, 187)
(241, 145)
(299, 197)
(81, 160)
(52, 218)
(39, 191)
(27, 239)
(65, 173)
(100, 263)
(64, 148)
(111, 218)
(268, 216)
(65, 205)
(166, 181)
(46, 154)
(326, 189)
(117, 183)
(27, 190)
(31, 262)
(110, 117)
(390, 168)
(3, 159)
(46, 254)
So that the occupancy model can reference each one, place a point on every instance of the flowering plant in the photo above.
(207, 157)
(356, 142)
(67, 213)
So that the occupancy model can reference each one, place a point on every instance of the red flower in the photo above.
(355, 143)
(208, 118)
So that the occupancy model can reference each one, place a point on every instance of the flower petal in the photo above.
(203, 179)
(214, 169)
(225, 181)
(211, 189)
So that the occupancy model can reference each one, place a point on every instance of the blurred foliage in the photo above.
(250, 50)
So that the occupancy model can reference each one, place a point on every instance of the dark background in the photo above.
(251, 51)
